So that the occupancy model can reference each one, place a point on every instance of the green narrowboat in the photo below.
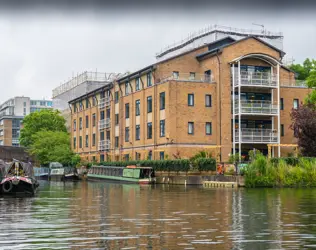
(134, 174)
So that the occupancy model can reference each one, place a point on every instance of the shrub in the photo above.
(206, 164)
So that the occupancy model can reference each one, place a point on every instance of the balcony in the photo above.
(256, 108)
(106, 123)
(257, 136)
(104, 145)
(188, 77)
(256, 79)
(104, 102)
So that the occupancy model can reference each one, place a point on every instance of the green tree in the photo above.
(44, 120)
(311, 83)
(53, 146)
(303, 70)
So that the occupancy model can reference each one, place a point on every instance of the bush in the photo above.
(206, 164)
(293, 161)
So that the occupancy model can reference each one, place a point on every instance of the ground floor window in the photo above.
(162, 155)
(101, 157)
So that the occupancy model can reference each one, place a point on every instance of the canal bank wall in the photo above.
(195, 178)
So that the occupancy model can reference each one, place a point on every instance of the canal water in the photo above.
(95, 215)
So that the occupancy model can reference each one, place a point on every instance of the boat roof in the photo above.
(120, 167)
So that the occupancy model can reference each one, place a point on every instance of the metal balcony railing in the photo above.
(257, 136)
(104, 145)
(256, 108)
(106, 123)
(265, 79)
(104, 102)
(188, 77)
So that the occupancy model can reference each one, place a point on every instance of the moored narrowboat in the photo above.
(19, 179)
(133, 174)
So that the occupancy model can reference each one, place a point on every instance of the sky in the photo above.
(44, 47)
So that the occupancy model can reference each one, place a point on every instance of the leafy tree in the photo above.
(44, 120)
(303, 70)
(53, 146)
(311, 83)
(304, 126)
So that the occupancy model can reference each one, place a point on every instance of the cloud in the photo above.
(39, 51)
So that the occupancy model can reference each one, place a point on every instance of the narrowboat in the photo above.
(56, 171)
(19, 179)
(71, 174)
(133, 174)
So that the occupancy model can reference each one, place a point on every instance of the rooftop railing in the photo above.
(249, 135)
(256, 107)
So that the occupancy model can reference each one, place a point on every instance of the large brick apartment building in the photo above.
(225, 96)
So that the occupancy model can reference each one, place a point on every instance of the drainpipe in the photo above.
(220, 102)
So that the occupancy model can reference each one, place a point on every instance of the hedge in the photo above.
(206, 164)
(293, 161)
(158, 165)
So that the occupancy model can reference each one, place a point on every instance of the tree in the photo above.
(304, 126)
(53, 146)
(303, 71)
(44, 120)
(311, 83)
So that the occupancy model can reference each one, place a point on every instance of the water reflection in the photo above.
(115, 216)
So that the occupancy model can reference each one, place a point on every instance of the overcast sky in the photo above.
(39, 51)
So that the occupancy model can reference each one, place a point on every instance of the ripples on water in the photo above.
(92, 215)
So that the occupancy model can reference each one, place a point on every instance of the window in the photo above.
(80, 141)
(149, 83)
(94, 100)
(116, 96)
(102, 94)
(162, 155)
(87, 103)
(137, 133)
(93, 159)
(137, 107)
(208, 128)
(75, 142)
(75, 125)
(126, 157)
(24, 104)
(295, 103)
(116, 119)
(208, 101)
(281, 104)
(87, 141)
(190, 128)
(127, 110)
(162, 128)
(116, 141)
(137, 83)
(137, 156)
(127, 134)
(149, 104)
(282, 129)
(102, 116)
(87, 121)
(149, 130)
(108, 113)
(175, 74)
(190, 99)
(108, 135)
(162, 100)
(126, 88)
(93, 140)
(80, 123)
(24, 111)
(101, 157)
(93, 119)
(102, 136)
(192, 75)
(80, 105)
(150, 155)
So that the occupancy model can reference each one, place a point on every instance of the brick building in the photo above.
(225, 96)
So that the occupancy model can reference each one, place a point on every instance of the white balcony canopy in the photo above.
(264, 57)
